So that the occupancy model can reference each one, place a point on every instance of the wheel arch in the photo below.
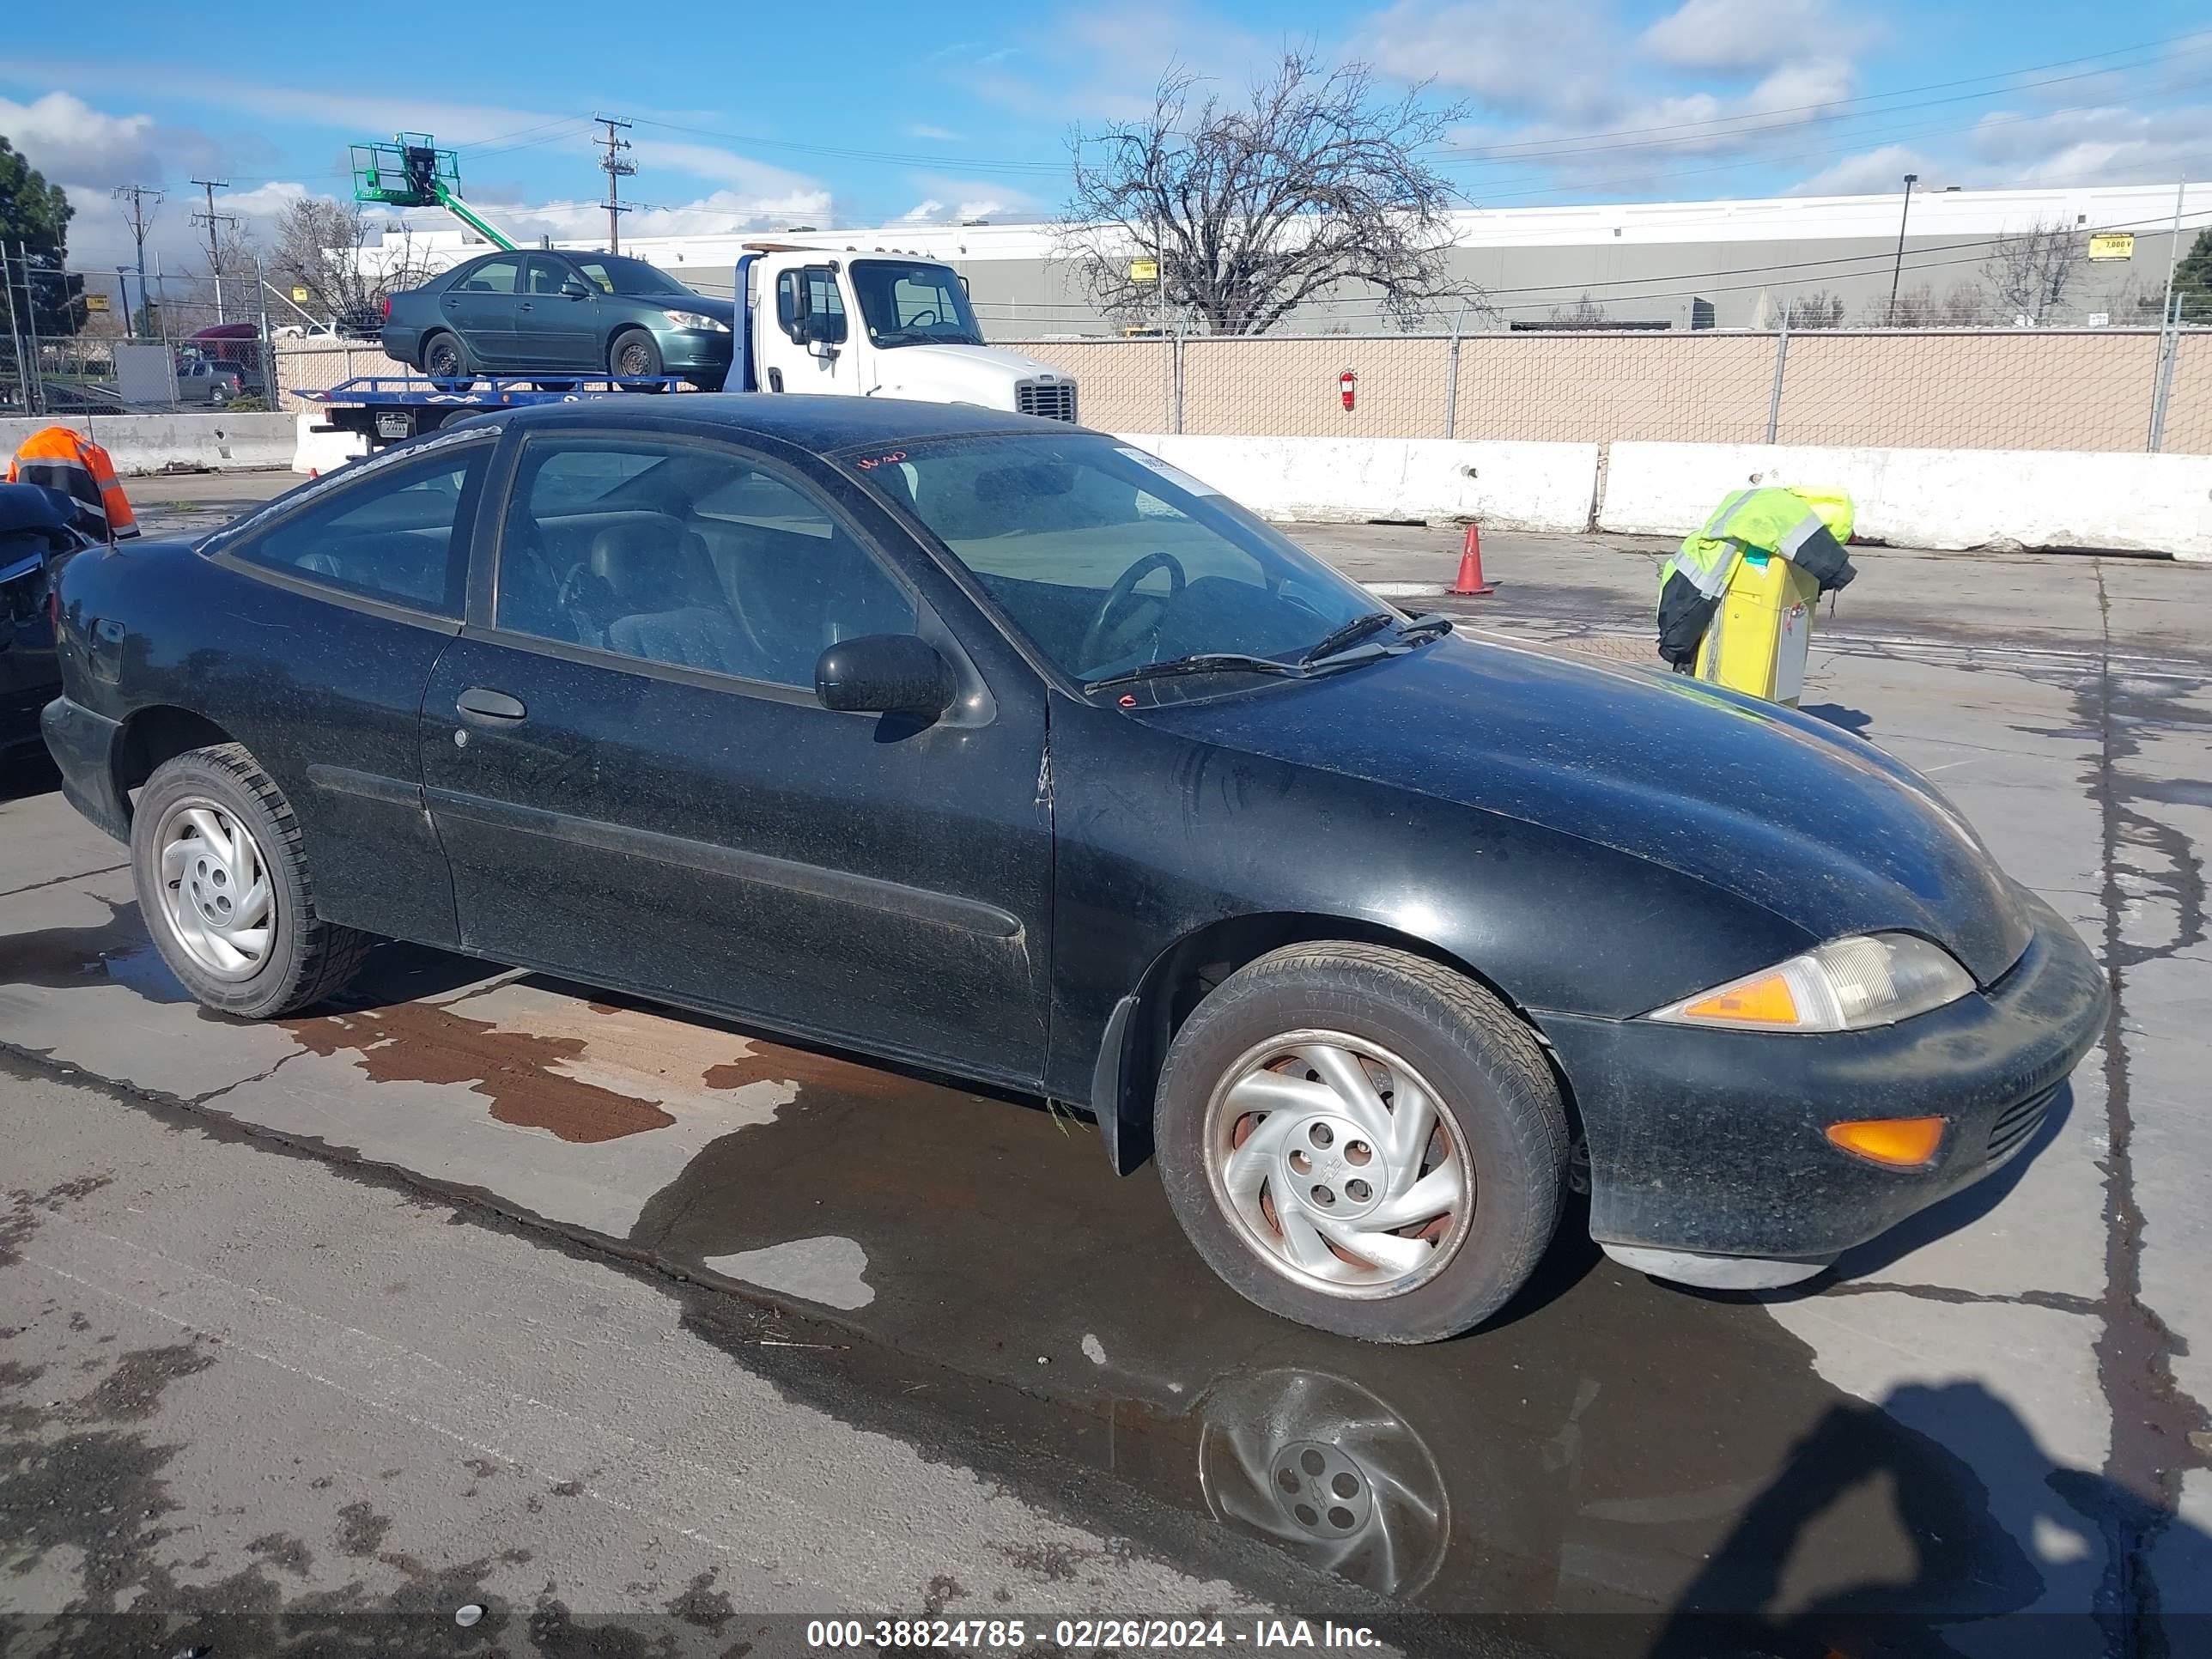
(155, 733)
(1135, 1044)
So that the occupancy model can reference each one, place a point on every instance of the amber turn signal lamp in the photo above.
(1763, 1002)
(1899, 1142)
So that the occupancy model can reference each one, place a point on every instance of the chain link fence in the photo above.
(104, 342)
(2110, 389)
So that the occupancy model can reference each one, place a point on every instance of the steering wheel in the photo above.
(1124, 589)
(917, 320)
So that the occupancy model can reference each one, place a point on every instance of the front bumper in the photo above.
(82, 744)
(693, 350)
(1713, 1144)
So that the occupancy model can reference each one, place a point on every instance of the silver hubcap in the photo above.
(217, 892)
(1329, 1154)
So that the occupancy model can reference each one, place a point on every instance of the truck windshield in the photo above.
(612, 274)
(914, 302)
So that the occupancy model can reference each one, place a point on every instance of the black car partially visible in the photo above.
(34, 535)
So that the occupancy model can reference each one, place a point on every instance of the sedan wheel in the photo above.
(223, 883)
(216, 892)
(1362, 1141)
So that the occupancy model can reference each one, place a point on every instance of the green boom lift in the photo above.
(412, 172)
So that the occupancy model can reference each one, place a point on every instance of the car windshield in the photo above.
(914, 303)
(1110, 561)
(612, 274)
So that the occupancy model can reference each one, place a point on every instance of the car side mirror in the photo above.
(885, 674)
(574, 289)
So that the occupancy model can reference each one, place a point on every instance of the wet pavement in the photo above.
(1989, 1424)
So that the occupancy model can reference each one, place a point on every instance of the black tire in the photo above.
(1496, 1093)
(445, 358)
(634, 355)
(308, 959)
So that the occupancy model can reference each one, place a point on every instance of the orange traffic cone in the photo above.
(1470, 566)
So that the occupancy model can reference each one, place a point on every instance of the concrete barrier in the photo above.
(140, 444)
(1510, 486)
(323, 451)
(1943, 498)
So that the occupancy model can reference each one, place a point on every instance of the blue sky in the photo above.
(963, 110)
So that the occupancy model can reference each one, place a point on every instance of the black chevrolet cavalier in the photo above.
(1007, 751)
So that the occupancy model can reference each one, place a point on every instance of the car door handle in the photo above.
(480, 703)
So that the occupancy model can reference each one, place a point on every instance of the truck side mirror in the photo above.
(823, 332)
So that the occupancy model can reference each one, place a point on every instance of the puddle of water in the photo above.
(1610, 1455)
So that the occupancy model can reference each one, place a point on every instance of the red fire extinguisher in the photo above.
(1345, 383)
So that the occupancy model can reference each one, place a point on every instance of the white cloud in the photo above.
(73, 143)
(935, 134)
(1877, 171)
(1561, 58)
(1735, 36)
(927, 211)
(2096, 146)
(954, 201)
(1103, 64)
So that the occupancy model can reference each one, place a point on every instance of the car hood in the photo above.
(1776, 807)
(963, 374)
(725, 311)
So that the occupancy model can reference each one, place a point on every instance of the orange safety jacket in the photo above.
(68, 461)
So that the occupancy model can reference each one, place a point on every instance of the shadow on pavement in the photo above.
(1853, 720)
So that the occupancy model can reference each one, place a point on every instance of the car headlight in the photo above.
(697, 320)
(1846, 985)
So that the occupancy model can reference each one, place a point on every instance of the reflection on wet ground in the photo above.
(1612, 1464)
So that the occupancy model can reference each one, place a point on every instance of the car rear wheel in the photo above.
(634, 355)
(1362, 1141)
(223, 884)
(444, 358)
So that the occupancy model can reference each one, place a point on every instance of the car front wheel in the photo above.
(1362, 1141)
(223, 884)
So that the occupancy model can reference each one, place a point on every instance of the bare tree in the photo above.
(1244, 213)
(1818, 309)
(332, 250)
(1964, 306)
(2030, 271)
(1585, 312)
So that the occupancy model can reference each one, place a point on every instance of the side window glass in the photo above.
(681, 554)
(494, 276)
(394, 534)
(546, 277)
(824, 298)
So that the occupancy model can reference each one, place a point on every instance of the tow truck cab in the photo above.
(879, 324)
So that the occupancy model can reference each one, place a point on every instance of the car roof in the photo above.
(824, 425)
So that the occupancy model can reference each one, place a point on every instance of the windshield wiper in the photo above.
(1338, 645)
(1371, 622)
(1202, 662)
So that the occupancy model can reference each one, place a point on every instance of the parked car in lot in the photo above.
(216, 384)
(587, 313)
(36, 534)
(999, 747)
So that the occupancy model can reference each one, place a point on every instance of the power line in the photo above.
(616, 169)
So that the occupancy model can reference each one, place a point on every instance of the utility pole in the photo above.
(616, 169)
(140, 221)
(1898, 269)
(213, 221)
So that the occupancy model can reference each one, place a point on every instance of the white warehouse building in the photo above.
(1644, 265)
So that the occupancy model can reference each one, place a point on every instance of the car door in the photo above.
(347, 590)
(788, 358)
(554, 328)
(479, 304)
(634, 783)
